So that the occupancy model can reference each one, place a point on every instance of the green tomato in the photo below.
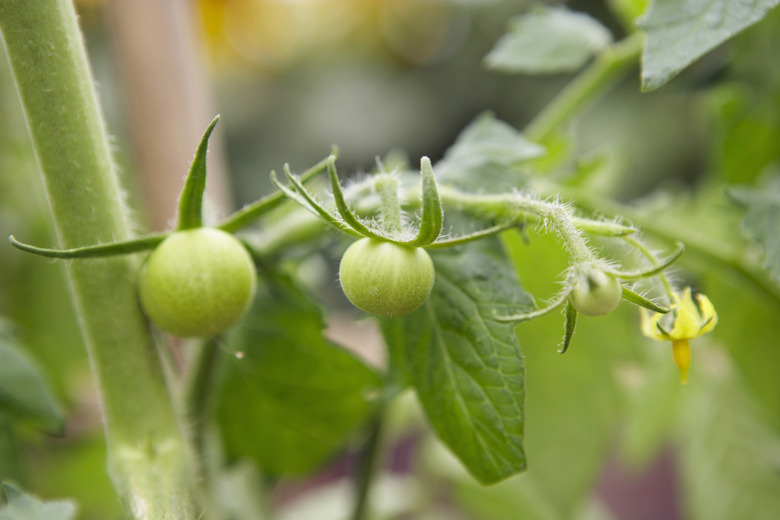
(595, 292)
(384, 278)
(197, 282)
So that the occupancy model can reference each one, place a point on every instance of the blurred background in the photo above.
(611, 434)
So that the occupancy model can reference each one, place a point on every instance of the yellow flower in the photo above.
(687, 320)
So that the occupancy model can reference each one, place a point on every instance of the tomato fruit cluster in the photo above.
(197, 282)
(384, 278)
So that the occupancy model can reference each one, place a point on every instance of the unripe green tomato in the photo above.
(384, 278)
(197, 282)
(595, 292)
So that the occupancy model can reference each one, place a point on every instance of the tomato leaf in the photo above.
(762, 221)
(293, 398)
(681, 31)
(20, 506)
(484, 154)
(395, 332)
(24, 394)
(548, 41)
(465, 366)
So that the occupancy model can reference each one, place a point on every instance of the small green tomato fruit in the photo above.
(384, 278)
(197, 282)
(595, 292)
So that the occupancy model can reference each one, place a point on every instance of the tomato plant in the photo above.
(270, 397)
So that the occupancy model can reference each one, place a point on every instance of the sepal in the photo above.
(191, 199)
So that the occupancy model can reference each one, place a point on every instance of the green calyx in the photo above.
(386, 272)
(391, 230)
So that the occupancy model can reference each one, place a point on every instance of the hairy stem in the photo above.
(560, 219)
(516, 206)
(251, 212)
(726, 259)
(148, 459)
(387, 187)
(507, 209)
(511, 207)
(642, 248)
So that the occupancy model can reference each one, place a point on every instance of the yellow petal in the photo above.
(709, 318)
(686, 301)
(649, 325)
(681, 350)
(687, 322)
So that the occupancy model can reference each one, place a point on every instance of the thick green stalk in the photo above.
(368, 464)
(197, 387)
(585, 88)
(148, 458)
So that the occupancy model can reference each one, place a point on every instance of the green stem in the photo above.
(148, 460)
(561, 220)
(719, 255)
(211, 468)
(507, 209)
(387, 187)
(367, 467)
(196, 392)
(514, 207)
(10, 467)
(587, 87)
(136, 245)
(477, 235)
(252, 212)
(297, 227)
(642, 248)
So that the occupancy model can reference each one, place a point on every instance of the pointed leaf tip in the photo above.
(571, 323)
(341, 204)
(191, 199)
(638, 299)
